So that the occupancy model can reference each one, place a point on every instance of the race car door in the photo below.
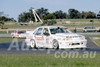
(46, 36)
(39, 38)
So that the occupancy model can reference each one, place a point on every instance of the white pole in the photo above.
(36, 16)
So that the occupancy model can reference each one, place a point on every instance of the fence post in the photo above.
(7, 31)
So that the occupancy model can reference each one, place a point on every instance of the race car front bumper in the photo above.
(73, 44)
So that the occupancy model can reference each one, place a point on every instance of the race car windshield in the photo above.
(58, 30)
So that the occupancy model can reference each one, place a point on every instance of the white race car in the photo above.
(18, 34)
(57, 37)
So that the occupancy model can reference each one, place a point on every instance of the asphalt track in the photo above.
(23, 50)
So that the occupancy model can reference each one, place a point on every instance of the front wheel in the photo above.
(33, 44)
(55, 44)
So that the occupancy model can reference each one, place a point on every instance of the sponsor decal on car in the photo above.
(39, 38)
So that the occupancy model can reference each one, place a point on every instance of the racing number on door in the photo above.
(39, 38)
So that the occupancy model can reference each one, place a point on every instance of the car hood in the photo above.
(71, 35)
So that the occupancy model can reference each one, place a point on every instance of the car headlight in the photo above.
(82, 38)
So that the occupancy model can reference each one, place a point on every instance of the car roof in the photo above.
(49, 26)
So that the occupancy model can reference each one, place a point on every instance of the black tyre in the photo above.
(33, 44)
(55, 44)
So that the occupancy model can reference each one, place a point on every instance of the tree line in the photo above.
(46, 15)
(3, 18)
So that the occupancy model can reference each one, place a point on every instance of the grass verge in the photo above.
(81, 22)
(5, 40)
(5, 32)
(97, 41)
(46, 61)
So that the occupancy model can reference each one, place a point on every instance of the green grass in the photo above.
(18, 26)
(34, 26)
(97, 42)
(5, 40)
(47, 61)
(76, 31)
(5, 32)
(81, 22)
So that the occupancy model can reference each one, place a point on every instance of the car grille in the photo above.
(75, 43)
(73, 36)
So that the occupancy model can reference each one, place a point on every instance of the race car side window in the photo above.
(39, 31)
(46, 32)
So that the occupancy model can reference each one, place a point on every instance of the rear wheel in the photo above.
(33, 44)
(55, 44)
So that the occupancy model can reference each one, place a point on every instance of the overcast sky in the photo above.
(14, 7)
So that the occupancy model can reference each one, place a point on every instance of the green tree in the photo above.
(27, 16)
(73, 14)
(90, 15)
(42, 12)
(49, 16)
(60, 14)
(83, 14)
(1, 24)
(3, 18)
(49, 22)
(24, 17)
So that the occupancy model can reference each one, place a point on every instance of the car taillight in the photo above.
(19, 33)
(12, 34)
